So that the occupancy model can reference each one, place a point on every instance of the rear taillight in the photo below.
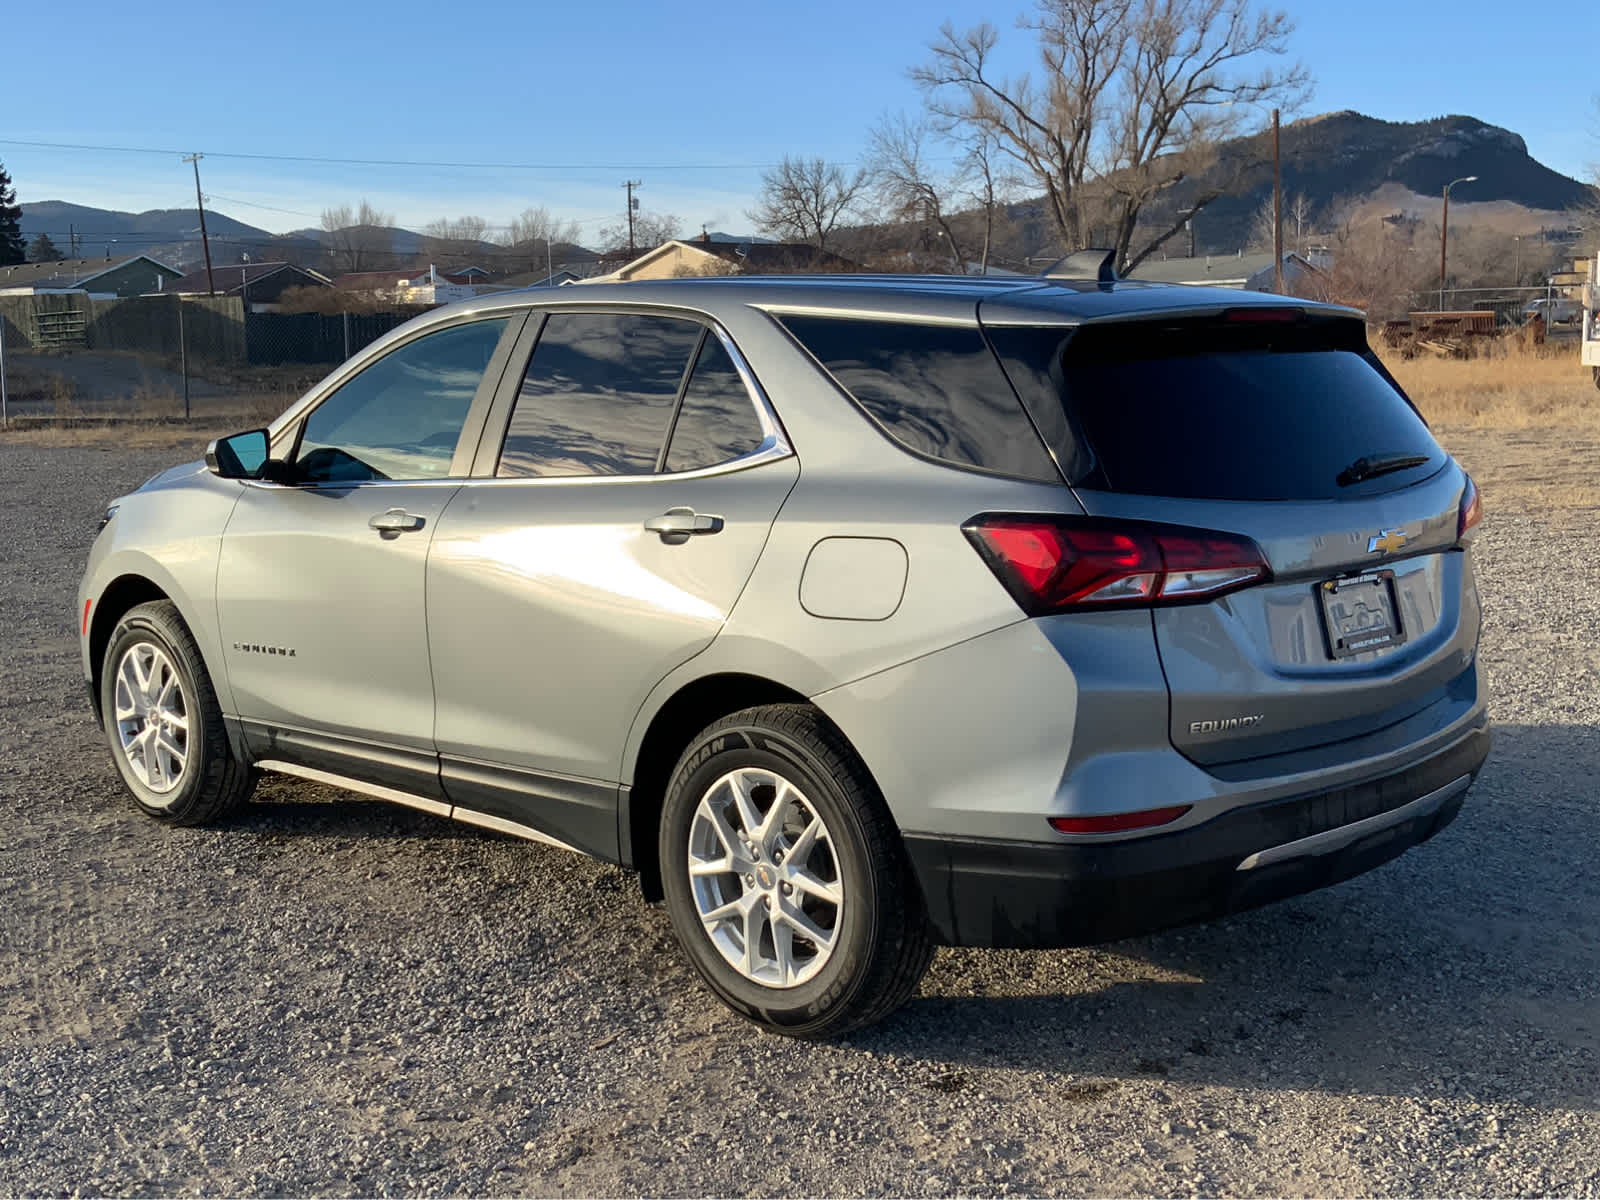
(1471, 512)
(1120, 822)
(1055, 564)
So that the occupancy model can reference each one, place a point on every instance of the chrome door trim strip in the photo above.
(470, 816)
(467, 816)
(1336, 839)
(375, 790)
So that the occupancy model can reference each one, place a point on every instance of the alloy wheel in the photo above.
(152, 716)
(765, 879)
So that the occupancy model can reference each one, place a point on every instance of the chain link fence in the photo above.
(71, 356)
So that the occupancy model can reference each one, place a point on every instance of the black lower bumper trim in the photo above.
(1028, 894)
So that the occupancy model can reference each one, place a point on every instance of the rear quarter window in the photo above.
(936, 389)
(1198, 409)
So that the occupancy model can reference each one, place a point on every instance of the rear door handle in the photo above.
(677, 524)
(396, 520)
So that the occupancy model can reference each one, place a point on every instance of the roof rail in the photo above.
(1098, 264)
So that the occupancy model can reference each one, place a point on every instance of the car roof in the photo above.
(1009, 300)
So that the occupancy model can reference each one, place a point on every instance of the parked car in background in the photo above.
(856, 614)
(1557, 310)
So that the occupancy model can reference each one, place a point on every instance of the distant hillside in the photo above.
(1345, 156)
(162, 233)
(1335, 160)
(173, 236)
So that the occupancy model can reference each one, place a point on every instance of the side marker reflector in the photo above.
(1120, 822)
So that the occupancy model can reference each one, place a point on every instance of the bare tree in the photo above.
(454, 240)
(1297, 210)
(804, 200)
(1380, 266)
(986, 187)
(531, 236)
(1132, 99)
(649, 231)
(910, 188)
(358, 239)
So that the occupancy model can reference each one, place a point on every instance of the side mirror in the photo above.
(239, 457)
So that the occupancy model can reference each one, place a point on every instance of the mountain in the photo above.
(163, 233)
(1337, 160)
(1343, 157)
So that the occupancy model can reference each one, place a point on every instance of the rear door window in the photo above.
(1198, 410)
(598, 395)
(935, 389)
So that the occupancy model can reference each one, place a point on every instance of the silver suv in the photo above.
(857, 615)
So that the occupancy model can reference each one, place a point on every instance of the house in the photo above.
(1302, 274)
(702, 256)
(435, 287)
(409, 286)
(528, 279)
(1210, 270)
(1246, 272)
(101, 278)
(259, 285)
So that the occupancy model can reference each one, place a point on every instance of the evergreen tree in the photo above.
(44, 250)
(12, 249)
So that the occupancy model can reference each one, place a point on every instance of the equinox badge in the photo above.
(1227, 723)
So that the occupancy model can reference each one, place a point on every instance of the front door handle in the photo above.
(396, 520)
(677, 524)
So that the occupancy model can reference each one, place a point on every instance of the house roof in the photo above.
(71, 272)
(536, 279)
(776, 256)
(1210, 268)
(755, 257)
(235, 276)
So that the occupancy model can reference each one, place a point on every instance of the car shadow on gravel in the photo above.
(1466, 967)
(288, 815)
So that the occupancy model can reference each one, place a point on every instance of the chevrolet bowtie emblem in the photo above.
(1387, 542)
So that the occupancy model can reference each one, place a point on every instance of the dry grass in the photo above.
(189, 441)
(1505, 388)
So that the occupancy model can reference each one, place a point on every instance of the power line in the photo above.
(408, 162)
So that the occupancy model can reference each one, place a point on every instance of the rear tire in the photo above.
(163, 721)
(814, 925)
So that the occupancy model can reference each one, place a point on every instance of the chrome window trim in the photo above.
(779, 311)
(774, 441)
(351, 485)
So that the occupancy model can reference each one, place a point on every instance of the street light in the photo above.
(1444, 231)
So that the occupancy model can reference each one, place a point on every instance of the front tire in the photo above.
(785, 878)
(163, 721)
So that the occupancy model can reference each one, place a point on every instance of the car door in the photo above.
(320, 587)
(639, 474)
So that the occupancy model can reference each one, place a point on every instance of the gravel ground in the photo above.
(335, 996)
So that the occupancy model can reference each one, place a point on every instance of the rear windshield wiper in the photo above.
(1372, 466)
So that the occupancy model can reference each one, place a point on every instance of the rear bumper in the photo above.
(1029, 894)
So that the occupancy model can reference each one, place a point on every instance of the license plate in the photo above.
(1360, 614)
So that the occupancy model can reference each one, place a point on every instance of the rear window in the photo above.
(1202, 409)
(935, 389)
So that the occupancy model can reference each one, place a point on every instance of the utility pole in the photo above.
(1277, 210)
(199, 203)
(632, 204)
(1444, 231)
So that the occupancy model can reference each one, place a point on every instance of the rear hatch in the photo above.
(1277, 426)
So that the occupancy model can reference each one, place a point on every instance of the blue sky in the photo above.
(689, 98)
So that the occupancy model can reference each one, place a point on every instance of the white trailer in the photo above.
(1591, 318)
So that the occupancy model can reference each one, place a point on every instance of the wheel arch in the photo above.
(121, 595)
(673, 726)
